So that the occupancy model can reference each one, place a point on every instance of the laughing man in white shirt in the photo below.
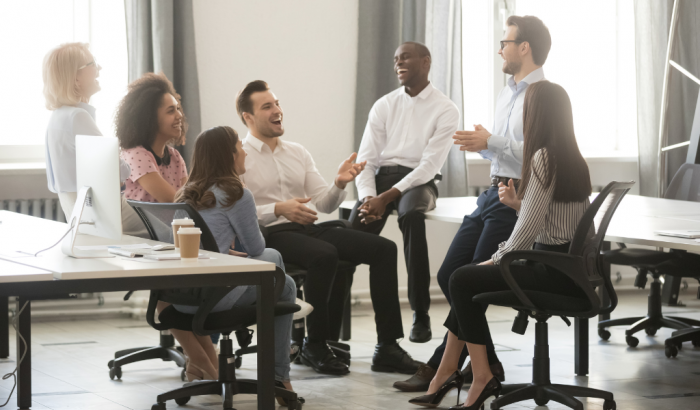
(288, 189)
(406, 142)
(524, 50)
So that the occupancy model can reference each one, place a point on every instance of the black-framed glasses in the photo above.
(503, 42)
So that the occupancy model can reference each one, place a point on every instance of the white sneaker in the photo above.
(306, 309)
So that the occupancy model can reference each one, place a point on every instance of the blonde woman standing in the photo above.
(70, 75)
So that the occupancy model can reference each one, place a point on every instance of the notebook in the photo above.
(680, 233)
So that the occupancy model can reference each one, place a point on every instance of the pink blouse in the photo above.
(142, 162)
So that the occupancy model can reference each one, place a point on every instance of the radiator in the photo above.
(477, 190)
(47, 208)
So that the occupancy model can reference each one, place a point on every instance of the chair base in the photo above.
(543, 393)
(653, 321)
(674, 343)
(166, 351)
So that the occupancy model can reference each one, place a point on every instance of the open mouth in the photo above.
(177, 125)
(277, 121)
(401, 71)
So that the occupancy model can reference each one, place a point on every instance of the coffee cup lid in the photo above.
(189, 231)
(183, 221)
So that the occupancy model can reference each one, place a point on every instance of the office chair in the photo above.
(684, 187)
(157, 217)
(344, 277)
(583, 264)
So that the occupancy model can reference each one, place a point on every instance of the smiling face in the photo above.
(512, 58)
(169, 118)
(266, 118)
(86, 81)
(409, 66)
(239, 158)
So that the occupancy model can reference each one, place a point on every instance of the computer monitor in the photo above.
(98, 206)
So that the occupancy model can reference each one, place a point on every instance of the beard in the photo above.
(512, 67)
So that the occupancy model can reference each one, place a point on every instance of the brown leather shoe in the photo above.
(496, 370)
(418, 382)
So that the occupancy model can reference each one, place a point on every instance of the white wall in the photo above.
(305, 49)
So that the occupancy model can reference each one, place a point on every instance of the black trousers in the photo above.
(318, 250)
(476, 241)
(467, 319)
(411, 207)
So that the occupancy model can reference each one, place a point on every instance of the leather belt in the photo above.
(495, 180)
(400, 169)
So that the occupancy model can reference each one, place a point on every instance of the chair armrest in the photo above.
(571, 265)
(336, 223)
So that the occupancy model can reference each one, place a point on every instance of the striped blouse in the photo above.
(541, 219)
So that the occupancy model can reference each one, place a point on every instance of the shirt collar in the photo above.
(423, 94)
(89, 108)
(258, 144)
(533, 77)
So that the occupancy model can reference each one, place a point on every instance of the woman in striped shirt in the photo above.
(550, 201)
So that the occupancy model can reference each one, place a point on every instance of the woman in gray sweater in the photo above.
(216, 191)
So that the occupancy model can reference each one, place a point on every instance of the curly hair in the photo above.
(212, 164)
(136, 119)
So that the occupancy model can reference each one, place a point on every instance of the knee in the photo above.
(458, 282)
(412, 215)
(272, 255)
(387, 248)
(289, 294)
(443, 278)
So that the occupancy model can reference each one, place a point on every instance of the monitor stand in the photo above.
(68, 244)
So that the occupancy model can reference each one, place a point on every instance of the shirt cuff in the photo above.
(497, 144)
(402, 185)
(266, 214)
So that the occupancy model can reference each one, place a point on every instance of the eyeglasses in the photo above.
(93, 62)
(503, 42)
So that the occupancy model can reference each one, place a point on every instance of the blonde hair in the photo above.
(60, 71)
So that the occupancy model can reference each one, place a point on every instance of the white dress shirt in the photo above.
(288, 172)
(65, 123)
(505, 146)
(415, 132)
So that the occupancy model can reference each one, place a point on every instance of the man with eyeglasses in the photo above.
(524, 51)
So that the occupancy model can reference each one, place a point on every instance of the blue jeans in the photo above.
(476, 241)
(247, 295)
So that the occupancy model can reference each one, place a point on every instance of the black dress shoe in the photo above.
(420, 381)
(320, 357)
(455, 381)
(389, 358)
(342, 354)
(420, 332)
(496, 370)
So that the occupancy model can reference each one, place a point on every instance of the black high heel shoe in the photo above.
(434, 400)
(492, 388)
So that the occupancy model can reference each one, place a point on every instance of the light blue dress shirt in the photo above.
(505, 146)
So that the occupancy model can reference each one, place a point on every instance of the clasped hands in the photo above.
(295, 209)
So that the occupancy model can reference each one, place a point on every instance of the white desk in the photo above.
(53, 273)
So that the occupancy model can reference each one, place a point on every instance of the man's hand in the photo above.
(472, 141)
(348, 171)
(373, 208)
(487, 262)
(507, 195)
(295, 210)
(236, 253)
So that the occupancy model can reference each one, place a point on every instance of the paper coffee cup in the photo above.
(177, 224)
(189, 243)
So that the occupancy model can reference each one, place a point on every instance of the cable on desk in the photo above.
(24, 353)
(64, 235)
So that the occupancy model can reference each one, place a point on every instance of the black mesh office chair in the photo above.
(157, 218)
(583, 264)
(685, 187)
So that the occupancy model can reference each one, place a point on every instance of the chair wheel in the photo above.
(183, 375)
(671, 351)
(609, 405)
(696, 342)
(181, 401)
(238, 362)
(604, 334)
(541, 402)
(110, 364)
(158, 406)
(115, 373)
(651, 331)
(632, 341)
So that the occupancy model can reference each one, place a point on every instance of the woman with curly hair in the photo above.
(149, 122)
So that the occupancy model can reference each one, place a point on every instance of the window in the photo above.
(29, 29)
(592, 57)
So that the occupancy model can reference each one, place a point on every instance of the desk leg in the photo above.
(4, 328)
(266, 342)
(581, 331)
(24, 373)
(604, 297)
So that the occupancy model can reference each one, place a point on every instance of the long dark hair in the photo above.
(548, 124)
(136, 120)
(212, 164)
